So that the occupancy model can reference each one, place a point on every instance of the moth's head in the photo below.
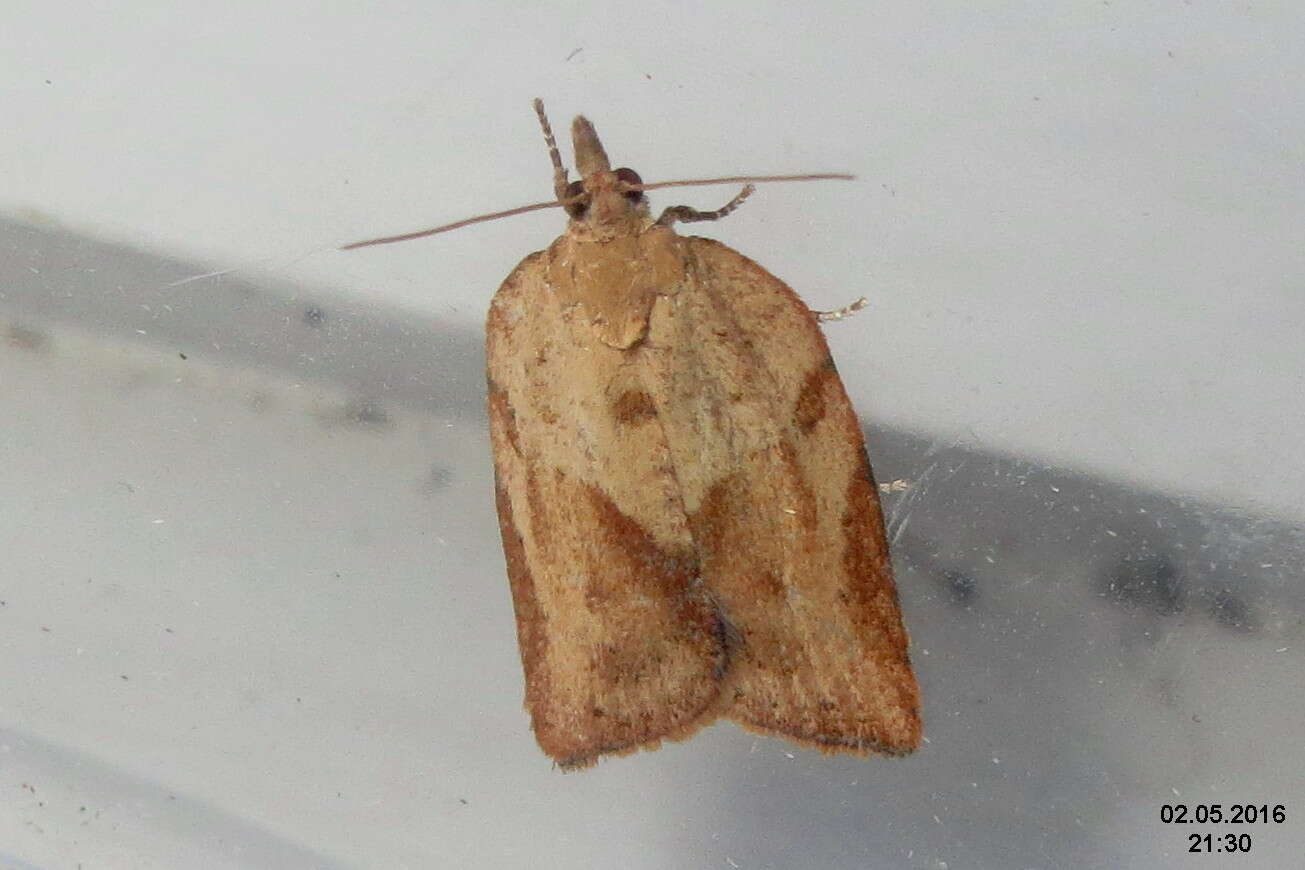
(604, 203)
(602, 196)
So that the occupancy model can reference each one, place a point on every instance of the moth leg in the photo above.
(839, 314)
(689, 215)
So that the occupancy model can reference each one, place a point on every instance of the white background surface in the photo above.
(241, 631)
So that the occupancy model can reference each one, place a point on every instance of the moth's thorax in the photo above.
(607, 284)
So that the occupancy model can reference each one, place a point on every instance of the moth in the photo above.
(691, 527)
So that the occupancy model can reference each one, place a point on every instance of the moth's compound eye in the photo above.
(575, 209)
(629, 176)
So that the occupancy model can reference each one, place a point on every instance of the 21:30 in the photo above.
(1225, 843)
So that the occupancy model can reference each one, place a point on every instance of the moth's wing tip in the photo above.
(584, 759)
(575, 763)
(865, 749)
(897, 741)
(576, 758)
(897, 745)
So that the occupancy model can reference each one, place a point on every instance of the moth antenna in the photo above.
(743, 179)
(560, 184)
(559, 171)
(478, 219)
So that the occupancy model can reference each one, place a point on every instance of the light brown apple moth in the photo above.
(691, 526)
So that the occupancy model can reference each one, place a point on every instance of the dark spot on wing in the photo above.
(634, 406)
